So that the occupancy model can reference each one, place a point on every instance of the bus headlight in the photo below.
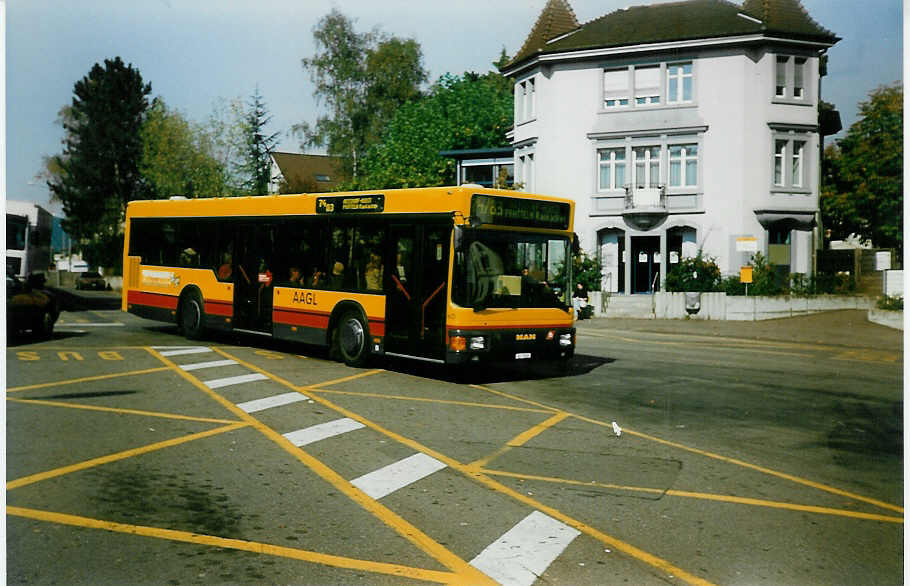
(565, 340)
(478, 343)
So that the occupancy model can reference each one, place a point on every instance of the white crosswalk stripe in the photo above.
(273, 401)
(313, 434)
(395, 476)
(526, 550)
(212, 364)
(234, 380)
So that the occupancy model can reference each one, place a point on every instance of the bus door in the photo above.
(416, 289)
(253, 277)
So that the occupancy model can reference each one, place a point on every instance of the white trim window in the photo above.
(647, 85)
(646, 160)
(790, 162)
(524, 171)
(790, 76)
(612, 169)
(616, 88)
(683, 165)
(679, 83)
(525, 100)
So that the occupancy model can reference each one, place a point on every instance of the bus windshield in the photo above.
(508, 269)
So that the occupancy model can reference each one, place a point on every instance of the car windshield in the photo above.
(496, 268)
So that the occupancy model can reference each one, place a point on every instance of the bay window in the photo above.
(790, 161)
(683, 165)
(790, 77)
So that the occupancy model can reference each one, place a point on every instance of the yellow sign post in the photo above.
(745, 276)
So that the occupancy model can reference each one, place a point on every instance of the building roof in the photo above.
(322, 172)
(660, 23)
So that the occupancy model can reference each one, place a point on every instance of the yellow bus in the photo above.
(445, 274)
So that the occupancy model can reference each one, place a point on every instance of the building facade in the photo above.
(677, 128)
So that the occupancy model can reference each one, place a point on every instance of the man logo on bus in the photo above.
(305, 297)
(525, 337)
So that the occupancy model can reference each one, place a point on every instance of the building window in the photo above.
(612, 164)
(683, 165)
(679, 83)
(647, 166)
(672, 163)
(647, 85)
(616, 88)
(790, 164)
(780, 156)
(790, 77)
(525, 172)
(644, 85)
(525, 100)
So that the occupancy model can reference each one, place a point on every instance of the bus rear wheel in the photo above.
(352, 339)
(192, 316)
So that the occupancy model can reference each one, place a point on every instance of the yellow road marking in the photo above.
(521, 439)
(238, 544)
(762, 469)
(119, 456)
(426, 400)
(465, 571)
(734, 461)
(118, 410)
(474, 473)
(865, 355)
(705, 496)
(85, 379)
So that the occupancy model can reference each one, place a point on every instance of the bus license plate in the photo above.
(522, 356)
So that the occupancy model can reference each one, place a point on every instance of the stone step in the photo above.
(636, 306)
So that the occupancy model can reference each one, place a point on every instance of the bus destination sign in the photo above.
(511, 211)
(347, 204)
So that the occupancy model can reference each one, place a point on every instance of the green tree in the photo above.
(460, 112)
(178, 157)
(361, 78)
(862, 191)
(99, 168)
(255, 166)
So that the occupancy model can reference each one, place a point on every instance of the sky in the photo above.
(197, 52)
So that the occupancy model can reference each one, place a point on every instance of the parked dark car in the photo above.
(91, 280)
(30, 307)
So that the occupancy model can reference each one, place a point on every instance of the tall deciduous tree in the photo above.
(862, 177)
(178, 156)
(467, 112)
(99, 168)
(255, 167)
(362, 79)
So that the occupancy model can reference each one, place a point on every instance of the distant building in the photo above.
(488, 167)
(296, 173)
(676, 127)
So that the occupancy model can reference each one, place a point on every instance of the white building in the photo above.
(676, 127)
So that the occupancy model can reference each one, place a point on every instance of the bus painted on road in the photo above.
(444, 274)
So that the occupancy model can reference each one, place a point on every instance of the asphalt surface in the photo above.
(848, 328)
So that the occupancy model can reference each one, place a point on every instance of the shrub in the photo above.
(890, 303)
(699, 273)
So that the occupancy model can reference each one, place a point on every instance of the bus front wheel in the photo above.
(192, 316)
(352, 339)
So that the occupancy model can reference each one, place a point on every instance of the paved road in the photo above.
(747, 453)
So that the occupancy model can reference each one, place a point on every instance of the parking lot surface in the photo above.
(686, 452)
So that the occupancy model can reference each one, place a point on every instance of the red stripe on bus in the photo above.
(214, 307)
(451, 329)
(152, 299)
(318, 319)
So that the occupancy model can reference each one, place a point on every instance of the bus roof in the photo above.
(423, 200)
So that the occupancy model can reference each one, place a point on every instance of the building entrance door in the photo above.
(645, 260)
